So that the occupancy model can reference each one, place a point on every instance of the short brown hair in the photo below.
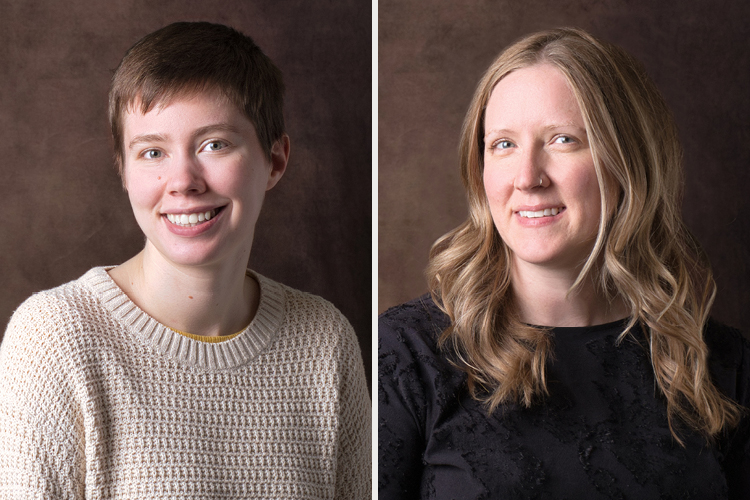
(192, 57)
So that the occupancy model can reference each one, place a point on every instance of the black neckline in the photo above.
(612, 325)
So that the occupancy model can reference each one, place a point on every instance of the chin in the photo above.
(182, 254)
(544, 259)
(191, 260)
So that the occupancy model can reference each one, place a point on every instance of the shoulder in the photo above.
(729, 360)
(296, 301)
(306, 306)
(318, 332)
(48, 340)
(55, 316)
(305, 315)
(418, 322)
(727, 346)
(408, 353)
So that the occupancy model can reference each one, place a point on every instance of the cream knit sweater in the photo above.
(98, 400)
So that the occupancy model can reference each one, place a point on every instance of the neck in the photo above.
(543, 298)
(202, 300)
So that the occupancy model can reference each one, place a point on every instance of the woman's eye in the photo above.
(503, 145)
(564, 139)
(214, 146)
(152, 154)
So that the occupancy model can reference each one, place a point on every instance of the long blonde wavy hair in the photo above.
(643, 252)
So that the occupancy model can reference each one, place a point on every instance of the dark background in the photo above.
(432, 54)
(63, 208)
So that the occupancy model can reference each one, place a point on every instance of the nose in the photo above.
(530, 171)
(186, 176)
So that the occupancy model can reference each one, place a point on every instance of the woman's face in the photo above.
(196, 176)
(534, 130)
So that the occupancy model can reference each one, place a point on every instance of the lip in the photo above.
(536, 208)
(538, 221)
(192, 210)
(197, 230)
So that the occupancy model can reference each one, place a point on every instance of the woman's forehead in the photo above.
(538, 94)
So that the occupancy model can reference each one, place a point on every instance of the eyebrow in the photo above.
(503, 131)
(151, 138)
(145, 138)
(216, 127)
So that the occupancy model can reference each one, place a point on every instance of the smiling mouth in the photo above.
(193, 219)
(547, 212)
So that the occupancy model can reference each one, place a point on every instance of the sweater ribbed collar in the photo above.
(211, 356)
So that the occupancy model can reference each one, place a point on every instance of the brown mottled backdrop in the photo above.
(432, 54)
(63, 210)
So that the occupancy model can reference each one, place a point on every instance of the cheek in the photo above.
(593, 195)
(590, 198)
(498, 190)
(143, 194)
(246, 186)
(237, 183)
(497, 186)
(581, 183)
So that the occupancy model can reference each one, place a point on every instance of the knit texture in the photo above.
(99, 400)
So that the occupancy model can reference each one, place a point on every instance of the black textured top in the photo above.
(601, 433)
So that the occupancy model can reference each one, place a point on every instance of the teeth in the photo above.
(191, 220)
(547, 212)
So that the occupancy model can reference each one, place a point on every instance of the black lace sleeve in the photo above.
(400, 418)
(409, 380)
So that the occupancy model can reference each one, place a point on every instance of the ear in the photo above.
(279, 159)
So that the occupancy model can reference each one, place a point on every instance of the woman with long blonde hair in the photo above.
(565, 350)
